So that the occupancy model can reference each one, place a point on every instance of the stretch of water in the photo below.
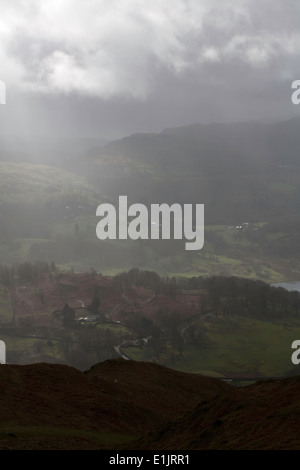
(288, 285)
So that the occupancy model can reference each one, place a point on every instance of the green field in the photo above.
(233, 346)
(29, 183)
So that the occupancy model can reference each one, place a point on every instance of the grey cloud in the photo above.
(119, 48)
(116, 67)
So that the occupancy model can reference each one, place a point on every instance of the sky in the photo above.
(110, 68)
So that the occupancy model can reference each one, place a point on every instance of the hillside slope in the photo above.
(263, 416)
(51, 406)
(123, 405)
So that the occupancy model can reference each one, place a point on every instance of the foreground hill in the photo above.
(127, 405)
(52, 406)
(263, 416)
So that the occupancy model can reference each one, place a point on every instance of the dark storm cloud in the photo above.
(125, 65)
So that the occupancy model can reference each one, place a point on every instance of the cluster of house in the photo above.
(243, 226)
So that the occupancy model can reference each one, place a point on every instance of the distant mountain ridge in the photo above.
(238, 170)
(282, 137)
(211, 149)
